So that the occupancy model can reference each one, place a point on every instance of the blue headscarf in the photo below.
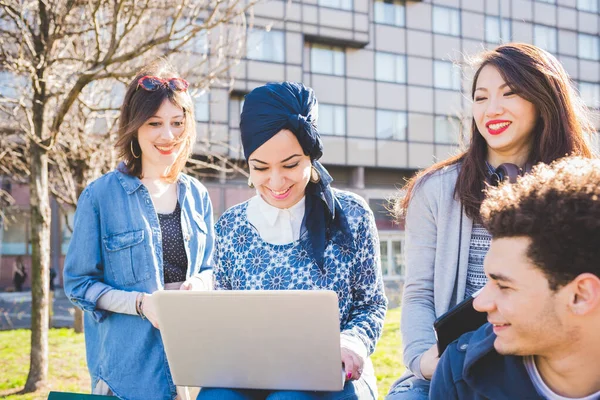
(289, 105)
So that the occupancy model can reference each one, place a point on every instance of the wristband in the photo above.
(140, 305)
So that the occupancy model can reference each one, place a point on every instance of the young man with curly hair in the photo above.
(543, 293)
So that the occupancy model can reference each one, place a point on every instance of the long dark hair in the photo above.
(139, 105)
(561, 129)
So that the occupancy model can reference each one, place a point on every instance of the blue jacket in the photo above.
(117, 243)
(470, 368)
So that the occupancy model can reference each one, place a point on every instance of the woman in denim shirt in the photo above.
(298, 233)
(141, 228)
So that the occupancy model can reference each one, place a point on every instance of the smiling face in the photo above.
(528, 317)
(279, 170)
(160, 137)
(504, 119)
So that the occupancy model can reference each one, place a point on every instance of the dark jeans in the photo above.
(353, 390)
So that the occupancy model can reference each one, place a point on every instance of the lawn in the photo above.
(68, 371)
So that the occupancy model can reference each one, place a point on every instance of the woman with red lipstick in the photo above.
(525, 111)
(141, 228)
(298, 233)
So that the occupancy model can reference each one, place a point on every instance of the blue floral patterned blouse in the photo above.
(244, 261)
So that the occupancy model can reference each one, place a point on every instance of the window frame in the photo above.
(454, 12)
(503, 22)
(547, 28)
(380, 112)
(593, 9)
(396, 58)
(336, 70)
(455, 73)
(401, 4)
(446, 119)
(341, 6)
(335, 108)
(595, 86)
(389, 237)
(594, 39)
(278, 58)
(197, 101)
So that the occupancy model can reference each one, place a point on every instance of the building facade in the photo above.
(393, 82)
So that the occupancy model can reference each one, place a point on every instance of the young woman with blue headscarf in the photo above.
(298, 233)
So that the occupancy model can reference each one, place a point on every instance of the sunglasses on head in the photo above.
(153, 83)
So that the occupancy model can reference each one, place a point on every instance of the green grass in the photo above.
(68, 371)
(387, 358)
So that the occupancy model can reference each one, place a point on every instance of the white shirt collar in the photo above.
(271, 213)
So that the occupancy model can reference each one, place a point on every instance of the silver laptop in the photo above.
(278, 340)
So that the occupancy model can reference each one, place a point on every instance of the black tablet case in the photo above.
(460, 319)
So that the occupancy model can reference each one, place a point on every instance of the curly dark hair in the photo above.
(557, 206)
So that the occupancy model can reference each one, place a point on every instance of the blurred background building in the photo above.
(393, 83)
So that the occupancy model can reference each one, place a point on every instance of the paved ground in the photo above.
(15, 310)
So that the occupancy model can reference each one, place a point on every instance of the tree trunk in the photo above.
(40, 268)
(78, 317)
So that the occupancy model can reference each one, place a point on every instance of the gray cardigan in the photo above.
(433, 238)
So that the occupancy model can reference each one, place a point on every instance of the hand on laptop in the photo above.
(149, 310)
(353, 364)
(199, 282)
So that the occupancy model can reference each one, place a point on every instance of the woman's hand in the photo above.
(429, 362)
(353, 364)
(201, 282)
(148, 309)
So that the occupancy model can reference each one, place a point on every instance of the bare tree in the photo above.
(53, 51)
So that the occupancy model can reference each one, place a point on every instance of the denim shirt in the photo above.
(117, 243)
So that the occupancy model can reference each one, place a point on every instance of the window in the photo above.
(332, 120)
(389, 12)
(590, 93)
(198, 45)
(182, 29)
(447, 129)
(107, 94)
(545, 37)
(11, 85)
(236, 105)
(547, 1)
(447, 75)
(342, 4)
(497, 31)
(588, 5)
(264, 45)
(66, 225)
(392, 256)
(589, 47)
(327, 59)
(391, 125)
(201, 107)
(390, 67)
(446, 20)
(15, 235)
(384, 220)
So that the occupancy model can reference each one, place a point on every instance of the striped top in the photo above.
(478, 248)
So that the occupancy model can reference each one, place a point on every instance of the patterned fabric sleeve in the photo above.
(221, 273)
(369, 303)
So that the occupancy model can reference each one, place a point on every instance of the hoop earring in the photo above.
(250, 184)
(132, 153)
(315, 177)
